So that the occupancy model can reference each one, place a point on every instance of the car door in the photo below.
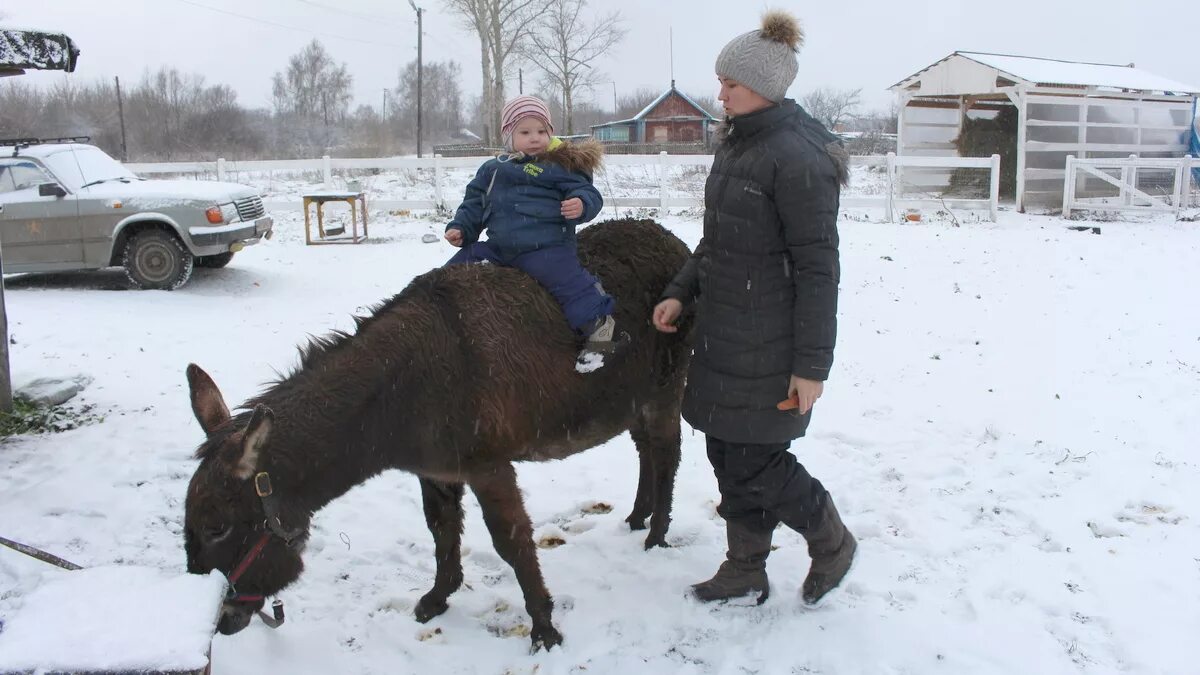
(37, 233)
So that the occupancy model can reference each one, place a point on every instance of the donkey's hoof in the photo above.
(428, 607)
(544, 638)
(659, 541)
(636, 523)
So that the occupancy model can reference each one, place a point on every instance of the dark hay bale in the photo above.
(984, 138)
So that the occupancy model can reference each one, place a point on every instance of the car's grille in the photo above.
(250, 208)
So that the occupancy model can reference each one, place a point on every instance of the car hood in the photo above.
(170, 191)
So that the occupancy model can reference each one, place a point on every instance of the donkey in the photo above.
(468, 369)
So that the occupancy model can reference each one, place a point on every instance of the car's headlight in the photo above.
(230, 212)
(214, 215)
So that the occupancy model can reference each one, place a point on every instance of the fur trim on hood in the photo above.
(583, 157)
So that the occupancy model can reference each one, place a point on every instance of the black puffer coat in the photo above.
(765, 275)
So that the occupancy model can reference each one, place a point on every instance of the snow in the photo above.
(1050, 71)
(1009, 430)
(100, 619)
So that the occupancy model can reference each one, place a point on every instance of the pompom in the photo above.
(780, 26)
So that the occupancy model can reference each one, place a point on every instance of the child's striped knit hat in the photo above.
(521, 107)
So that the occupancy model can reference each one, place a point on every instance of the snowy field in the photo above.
(1010, 430)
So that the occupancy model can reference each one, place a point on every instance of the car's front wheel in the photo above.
(156, 259)
(214, 261)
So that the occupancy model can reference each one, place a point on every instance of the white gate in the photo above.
(1122, 173)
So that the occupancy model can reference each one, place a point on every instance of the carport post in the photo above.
(6, 401)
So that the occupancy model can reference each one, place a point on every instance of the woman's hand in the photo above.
(454, 236)
(666, 313)
(572, 208)
(804, 393)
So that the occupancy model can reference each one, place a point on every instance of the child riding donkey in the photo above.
(531, 200)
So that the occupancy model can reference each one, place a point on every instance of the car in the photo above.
(68, 205)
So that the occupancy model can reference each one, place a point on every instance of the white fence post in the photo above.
(221, 169)
(438, 173)
(1126, 195)
(662, 180)
(1069, 187)
(891, 187)
(327, 171)
(1180, 183)
(994, 193)
(1187, 181)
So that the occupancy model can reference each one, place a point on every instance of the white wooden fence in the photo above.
(889, 202)
(1122, 174)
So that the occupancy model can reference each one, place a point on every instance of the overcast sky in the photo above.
(870, 44)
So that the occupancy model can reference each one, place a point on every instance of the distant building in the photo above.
(670, 118)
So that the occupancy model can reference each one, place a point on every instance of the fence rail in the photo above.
(1122, 174)
(889, 202)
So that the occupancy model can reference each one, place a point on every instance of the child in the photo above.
(531, 201)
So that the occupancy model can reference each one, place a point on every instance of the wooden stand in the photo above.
(357, 202)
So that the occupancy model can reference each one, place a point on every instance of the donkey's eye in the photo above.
(216, 533)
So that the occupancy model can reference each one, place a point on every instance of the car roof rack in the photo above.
(20, 144)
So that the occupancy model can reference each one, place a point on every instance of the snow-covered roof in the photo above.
(35, 50)
(1040, 71)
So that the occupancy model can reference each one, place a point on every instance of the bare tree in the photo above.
(474, 16)
(501, 26)
(442, 100)
(313, 86)
(635, 101)
(563, 46)
(832, 107)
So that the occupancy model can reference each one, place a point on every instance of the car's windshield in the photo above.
(80, 165)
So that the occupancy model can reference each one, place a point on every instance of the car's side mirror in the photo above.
(51, 190)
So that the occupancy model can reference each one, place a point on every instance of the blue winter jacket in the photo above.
(519, 201)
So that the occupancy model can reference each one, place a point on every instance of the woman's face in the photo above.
(739, 99)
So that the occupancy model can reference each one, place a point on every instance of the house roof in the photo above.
(22, 50)
(662, 97)
(1041, 71)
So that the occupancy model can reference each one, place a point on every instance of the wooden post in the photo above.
(1068, 186)
(327, 171)
(994, 193)
(662, 180)
(1126, 194)
(438, 175)
(1022, 134)
(6, 401)
(221, 169)
(891, 187)
(1180, 182)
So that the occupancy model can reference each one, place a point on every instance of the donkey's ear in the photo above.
(207, 403)
(253, 439)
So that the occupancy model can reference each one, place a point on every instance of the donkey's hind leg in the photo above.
(512, 536)
(444, 516)
(656, 434)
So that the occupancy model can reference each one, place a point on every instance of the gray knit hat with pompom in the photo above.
(764, 60)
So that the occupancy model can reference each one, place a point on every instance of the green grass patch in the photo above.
(29, 418)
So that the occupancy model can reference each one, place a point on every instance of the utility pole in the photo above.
(383, 108)
(419, 12)
(121, 114)
(520, 81)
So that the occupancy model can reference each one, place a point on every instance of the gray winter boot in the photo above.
(600, 341)
(831, 547)
(744, 570)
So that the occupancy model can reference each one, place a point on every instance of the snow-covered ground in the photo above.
(1010, 430)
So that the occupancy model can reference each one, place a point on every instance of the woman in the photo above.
(764, 281)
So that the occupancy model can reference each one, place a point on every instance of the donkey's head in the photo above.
(235, 520)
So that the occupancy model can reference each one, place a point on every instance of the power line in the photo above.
(366, 17)
(295, 28)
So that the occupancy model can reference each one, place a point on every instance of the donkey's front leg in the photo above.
(512, 535)
(444, 516)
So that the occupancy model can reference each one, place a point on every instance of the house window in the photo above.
(660, 134)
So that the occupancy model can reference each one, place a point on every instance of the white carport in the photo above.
(1063, 107)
